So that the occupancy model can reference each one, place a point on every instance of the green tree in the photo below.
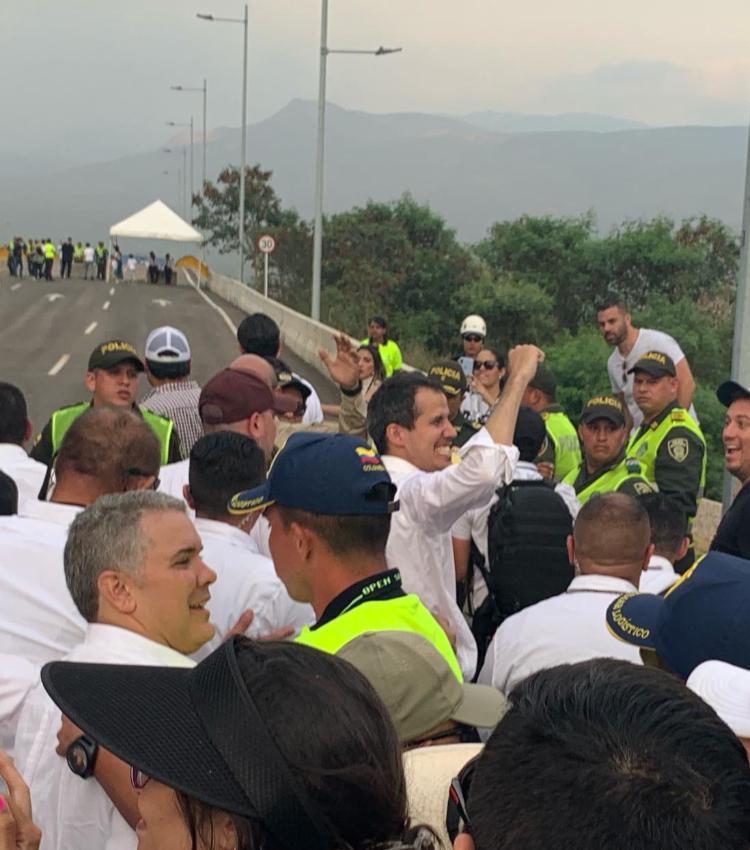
(579, 362)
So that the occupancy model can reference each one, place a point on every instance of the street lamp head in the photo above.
(175, 88)
(170, 123)
(204, 17)
(384, 51)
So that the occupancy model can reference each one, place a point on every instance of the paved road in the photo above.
(48, 330)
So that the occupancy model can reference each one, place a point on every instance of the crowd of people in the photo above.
(438, 613)
(89, 261)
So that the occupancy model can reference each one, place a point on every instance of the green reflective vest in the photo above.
(49, 251)
(644, 445)
(564, 439)
(401, 614)
(63, 418)
(627, 470)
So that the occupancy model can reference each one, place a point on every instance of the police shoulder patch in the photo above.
(678, 448)
(642, 488)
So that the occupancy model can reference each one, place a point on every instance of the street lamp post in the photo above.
(325, 51)
(203, 89)
(243, 152)
(181, 179)
(175, 124)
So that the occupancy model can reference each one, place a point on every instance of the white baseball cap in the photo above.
(726, 689)
(474, 325)
(167, 345)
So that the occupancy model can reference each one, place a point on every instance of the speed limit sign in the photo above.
(266, 244)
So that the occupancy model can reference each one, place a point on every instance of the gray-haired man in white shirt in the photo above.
(134, 569)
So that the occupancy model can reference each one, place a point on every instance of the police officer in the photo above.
(49, 258)
(453, 381)
(562, 453)
(101, 260)
(112, 378)
(669, 444)
(329, 499)
(605, 467)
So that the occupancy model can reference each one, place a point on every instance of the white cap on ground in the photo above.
(474, 325)
(726, 689)
(429, 771)
(167, 345)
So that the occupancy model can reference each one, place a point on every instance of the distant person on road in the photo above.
(174, 395)
(49, 258)
(153, 268)
(101, 261)
(167, 270)
(66, 261)
(390, 353)
(629, 345)
(259, 334)
(132, 265)
(89, 256)
(112, 379)
(117, 261)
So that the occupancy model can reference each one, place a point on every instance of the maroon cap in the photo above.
(233, 394)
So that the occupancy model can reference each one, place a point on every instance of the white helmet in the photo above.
(474, 325)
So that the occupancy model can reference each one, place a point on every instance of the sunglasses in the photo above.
(457, 816)
(473, 337)
(138, 779)
(484, 364)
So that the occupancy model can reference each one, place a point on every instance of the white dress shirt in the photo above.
(18, 677)
(244, 579)
(75, 813)
(419, 544)
(564, 629)
(659, 576)
(313, 408)
(473, 524)
(173, 477)
(38, 618)
(24, 470)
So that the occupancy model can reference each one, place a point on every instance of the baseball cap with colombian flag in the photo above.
(330, 474)
(704, 617)
(109, 354)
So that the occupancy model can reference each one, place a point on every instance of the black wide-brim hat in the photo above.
(196, 730)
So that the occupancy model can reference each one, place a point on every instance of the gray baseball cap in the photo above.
(418, 687)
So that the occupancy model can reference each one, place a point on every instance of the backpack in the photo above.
(527, 530)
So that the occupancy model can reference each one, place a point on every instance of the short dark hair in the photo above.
(168, 371)
(344, 535)
(669, 524)
(625, 755)
(222, 464)
(611, 299)
(394, 402)
(104, 443)
(259, 334)
(611, 528)
(13, 415)
(8, 495)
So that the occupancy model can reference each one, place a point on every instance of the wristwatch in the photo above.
(81, 755)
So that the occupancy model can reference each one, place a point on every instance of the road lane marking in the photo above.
(53, 296)
(112, 291)
(105, 306)
(91, 327)
(232, 327)
(15, 287)
(162, 302)
(59, 365)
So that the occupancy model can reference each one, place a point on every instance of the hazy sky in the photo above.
(90, 78)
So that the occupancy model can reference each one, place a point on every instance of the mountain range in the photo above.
(472, 169)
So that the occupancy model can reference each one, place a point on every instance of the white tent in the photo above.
(156, 221)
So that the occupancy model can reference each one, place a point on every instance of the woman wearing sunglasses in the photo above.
(262, 745)
(484, 386)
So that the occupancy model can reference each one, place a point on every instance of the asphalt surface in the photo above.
(48, 330)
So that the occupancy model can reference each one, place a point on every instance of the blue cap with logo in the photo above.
(330, 474)
(704, 617)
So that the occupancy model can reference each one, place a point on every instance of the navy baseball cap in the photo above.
(703, 618)
(330, 474)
